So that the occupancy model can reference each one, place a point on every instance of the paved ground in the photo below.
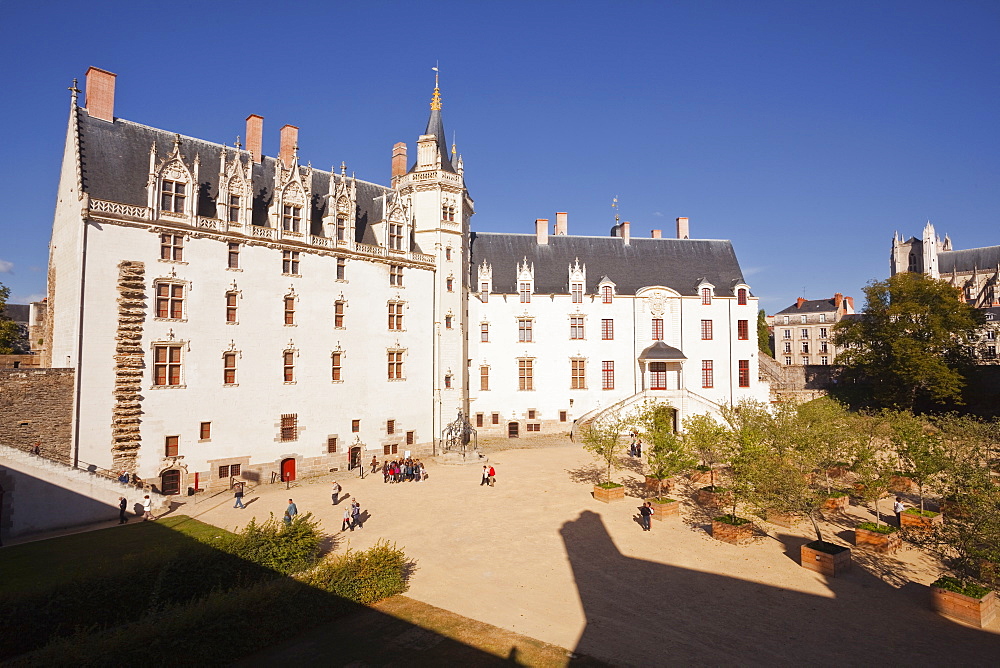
(537, 555)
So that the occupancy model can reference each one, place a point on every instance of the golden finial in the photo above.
(614, 205)
(436, 98)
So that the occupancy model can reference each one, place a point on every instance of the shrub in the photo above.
(362, 577)
(921, 513)
(285, 549)
(732, 519)
(970, 589)
(663, 499)
(877, 528)
(610, 485)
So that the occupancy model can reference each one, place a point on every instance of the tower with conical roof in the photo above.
(442, 209)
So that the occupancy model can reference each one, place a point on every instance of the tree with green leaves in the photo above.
(912, 347)
(667, 453)
(707, 439)
(875, 462)
(603, 436)
(763, 335)
(10, 332)
(921, 450)
(826, 431)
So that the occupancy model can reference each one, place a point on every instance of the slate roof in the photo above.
(811, 306)
(680, 264)
(114, 164)
(435, 126)
(661, 351)
(987, 258)
(16, 312)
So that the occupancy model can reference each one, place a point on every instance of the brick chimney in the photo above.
(100, 100)
(542, 230)
(626, 232)
(838, 299)
(255, 136)
(562, 223)
(656, 234)
(398, 161)
(289, 142)
(799, 302)
(683, 230)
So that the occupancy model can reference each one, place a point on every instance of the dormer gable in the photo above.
(484, 283)
(234, 204)
(339, 223)
(172, 187)
(289, 212)
(525, 280)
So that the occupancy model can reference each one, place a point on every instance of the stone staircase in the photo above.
(686, 401)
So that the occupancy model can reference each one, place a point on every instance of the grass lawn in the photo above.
(44, 564)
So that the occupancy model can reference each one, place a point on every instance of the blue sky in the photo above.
(805, 132)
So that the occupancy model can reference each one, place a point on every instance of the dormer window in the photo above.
(234, 208)
(525, 291)
(741, 296)
(173, 195)
(395, 236)
(576, 289)
(341, 228)
(706, 296)
(484, 292)
(291, 218)
(607, 294)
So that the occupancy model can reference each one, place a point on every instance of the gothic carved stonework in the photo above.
(129, 364)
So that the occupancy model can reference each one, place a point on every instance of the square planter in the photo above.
(608, 495)
(913, 521)
(979, 612)
(837, 503)
(710, 498)
(653, 485)
(700, 477)
(732, 534)
(662, 511)
(826, 558)
(883, 543)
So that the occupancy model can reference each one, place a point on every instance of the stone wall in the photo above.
(36, 405)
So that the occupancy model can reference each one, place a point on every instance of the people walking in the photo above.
(290, 512)
(374, 463)
(335, 489)
(898, 508)
(491, 476)
(238, 495)
(355, 515)
(147, 508)
(486, 475)
(645, 515)
(347, 519)
(122, 507)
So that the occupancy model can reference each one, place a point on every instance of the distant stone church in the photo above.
(236, 315)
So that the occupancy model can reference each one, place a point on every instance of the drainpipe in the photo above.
(79, 339)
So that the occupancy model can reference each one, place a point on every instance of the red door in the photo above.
(657, 375)
(287, 469)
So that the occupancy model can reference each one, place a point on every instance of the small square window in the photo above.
(171, 444)
(331, 444)
(531, 414)
(495, 418)
(355, 426)
(205, 431)
(562, 416)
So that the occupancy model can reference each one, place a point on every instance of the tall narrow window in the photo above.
(205, 431)
(172, 196)
(411, 437)
(169, 301)
(577, 291)
(341, 269)
(390, 427)
(331, 444)
(233, 257)
(231, 312)
(448, 321)
(484, 292)
(706, 330)
(395, 316)
(607, 376)
(822, 317)
(291, 218)
(396, 275)
(484, 378)
(447, 253)
(290, 262)
(742, 330)
(335, 364)
(234, 208)
(744, 377)
(607, 329)
(450, 284)
(606, 294)
(495, 418)
(166, 365)
(171, 444)
(289, 426)
(338, 314)
(524, 333)
(823, 332)
(707, 374)
(229, 368)
(576, 330)
(657, 375)
(447, 381)
(657, 329)
(395, 360)
(706, 296)
(341, 228)
(741, 296)
(484, 332)
(355, 426)
(525, 379)
(172, 247)
(288, 362)
(479, 419)
(525, 290)
(289, 310)
(395, 236)
(578, 375)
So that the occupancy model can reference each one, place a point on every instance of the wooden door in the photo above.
(512, 430)
(657, 375)
(355, 457)
(170, 482)
(288, 469)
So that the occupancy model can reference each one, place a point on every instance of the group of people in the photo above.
(635, 446)
(401, 470)
(489, 476)
(147, 509)
(352, 516)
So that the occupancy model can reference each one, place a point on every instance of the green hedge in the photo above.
(362, 577)
(877, 528)
(731, 519)
(960, 587)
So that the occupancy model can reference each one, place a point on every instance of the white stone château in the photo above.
(231, 314)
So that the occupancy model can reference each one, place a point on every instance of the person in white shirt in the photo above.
(898, 508)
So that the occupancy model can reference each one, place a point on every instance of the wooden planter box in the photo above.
(700, 477)
(728, 533)
(662, 511)
(898, 483)
(884, 543)
(710, 499)
(653, 485)
(609, 495)
(837, 503)
(824, 562)
(915, 522)
(979, 612)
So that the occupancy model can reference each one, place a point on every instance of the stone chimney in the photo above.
(289, 143)
(255, 136)
(626, 232)
(398, 161)
(542, 230)
(683, 230)
(656, 234)
(562, 223)
(100, 101)
(799, 302)
(850, 302)
(838, 299)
